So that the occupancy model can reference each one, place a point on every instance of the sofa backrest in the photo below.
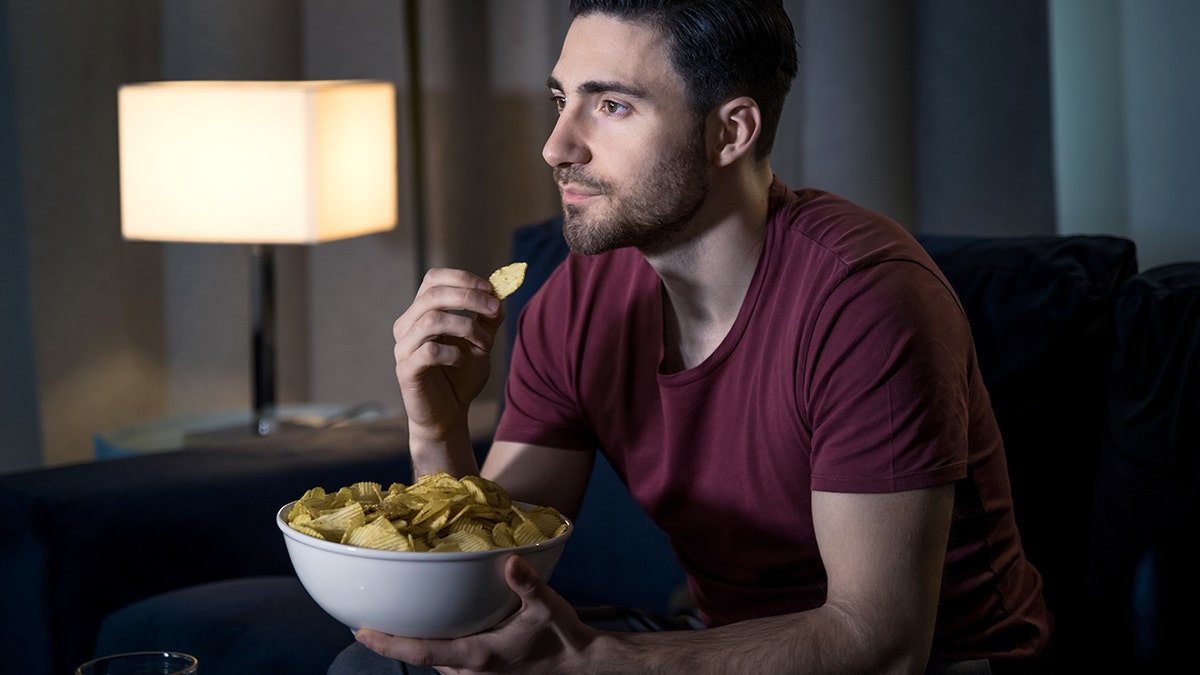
(1143, 581)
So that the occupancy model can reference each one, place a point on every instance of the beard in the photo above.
(651, 213)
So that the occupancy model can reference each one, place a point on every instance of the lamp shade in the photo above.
(257, 162)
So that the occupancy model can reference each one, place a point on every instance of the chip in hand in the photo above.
(506, 280)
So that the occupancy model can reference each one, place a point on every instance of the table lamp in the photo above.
(258, 163)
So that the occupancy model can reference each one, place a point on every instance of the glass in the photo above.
(141, 663)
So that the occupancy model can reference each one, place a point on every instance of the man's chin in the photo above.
(580, 235)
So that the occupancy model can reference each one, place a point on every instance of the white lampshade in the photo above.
(257, 162)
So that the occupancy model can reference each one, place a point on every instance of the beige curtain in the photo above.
(486, 115)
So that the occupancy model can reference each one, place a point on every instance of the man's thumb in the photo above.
(522, 578)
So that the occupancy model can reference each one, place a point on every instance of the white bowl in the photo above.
(425, 595)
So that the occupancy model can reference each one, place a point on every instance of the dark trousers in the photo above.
(358, 660)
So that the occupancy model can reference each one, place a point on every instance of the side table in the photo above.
(231, 427)
(180, 431)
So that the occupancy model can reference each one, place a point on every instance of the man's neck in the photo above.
(706, 276)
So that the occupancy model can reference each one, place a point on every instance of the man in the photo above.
(784, 380)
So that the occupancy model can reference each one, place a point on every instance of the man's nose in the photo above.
(566, 144)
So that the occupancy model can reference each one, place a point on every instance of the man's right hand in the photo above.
(443, 359)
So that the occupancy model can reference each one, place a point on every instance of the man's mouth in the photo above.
(576, 187)
(573, 193)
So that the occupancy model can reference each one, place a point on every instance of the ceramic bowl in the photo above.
(426, 595)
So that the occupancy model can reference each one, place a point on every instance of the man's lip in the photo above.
(573, 194)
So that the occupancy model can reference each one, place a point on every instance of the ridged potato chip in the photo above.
(437, 513)
(506, 280)
(380, 534)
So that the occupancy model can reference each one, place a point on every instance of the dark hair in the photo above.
(721, 49)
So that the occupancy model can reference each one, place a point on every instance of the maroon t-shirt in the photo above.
(850, 368)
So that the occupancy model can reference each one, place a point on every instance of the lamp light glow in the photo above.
(257, 162)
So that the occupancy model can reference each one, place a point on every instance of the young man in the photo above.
(784, 380)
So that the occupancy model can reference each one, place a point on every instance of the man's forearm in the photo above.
(448, 450)
(823, 640)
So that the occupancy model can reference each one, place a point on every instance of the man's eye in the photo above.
(560, 102)
(612, 107)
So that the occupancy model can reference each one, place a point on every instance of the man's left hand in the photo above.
(544, 635)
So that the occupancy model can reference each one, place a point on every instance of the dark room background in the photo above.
(1010, 117)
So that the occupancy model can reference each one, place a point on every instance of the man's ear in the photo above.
(734, 127)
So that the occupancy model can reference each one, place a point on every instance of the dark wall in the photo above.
(19, 428)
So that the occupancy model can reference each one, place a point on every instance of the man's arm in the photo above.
(540, 475)
(883, 554)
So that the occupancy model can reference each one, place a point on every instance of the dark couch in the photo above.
(1094, 371)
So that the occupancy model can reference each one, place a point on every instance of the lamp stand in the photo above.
(263, 337)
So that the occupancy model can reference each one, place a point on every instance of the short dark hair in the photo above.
(721, 49)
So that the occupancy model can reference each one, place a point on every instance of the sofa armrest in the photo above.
(80, 541)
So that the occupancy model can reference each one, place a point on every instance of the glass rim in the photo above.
(188, 663)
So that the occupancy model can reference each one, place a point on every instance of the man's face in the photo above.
(627, 152)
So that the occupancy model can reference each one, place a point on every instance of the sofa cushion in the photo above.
(1040, 310)
(1147, 504)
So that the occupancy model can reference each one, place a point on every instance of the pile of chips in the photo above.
(437, 513)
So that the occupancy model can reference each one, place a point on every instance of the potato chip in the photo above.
(300, 527)
(366, 492)
(380, 534)
(336, 523)
(437, 513)
(464, 541)
(502, 534)
(527, 533)
(506, 280)
(547, 521)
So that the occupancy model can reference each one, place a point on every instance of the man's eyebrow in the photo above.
(599, 87)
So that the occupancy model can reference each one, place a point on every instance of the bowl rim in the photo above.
(449, 556)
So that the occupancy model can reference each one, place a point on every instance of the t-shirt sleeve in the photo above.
(888, 382)
(541, 407)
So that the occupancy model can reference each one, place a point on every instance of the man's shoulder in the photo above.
(831, 225)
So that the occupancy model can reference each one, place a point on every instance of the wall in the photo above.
(94, 303)
(1126, 106)
(19, 428)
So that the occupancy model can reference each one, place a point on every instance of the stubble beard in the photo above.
(650, 215)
